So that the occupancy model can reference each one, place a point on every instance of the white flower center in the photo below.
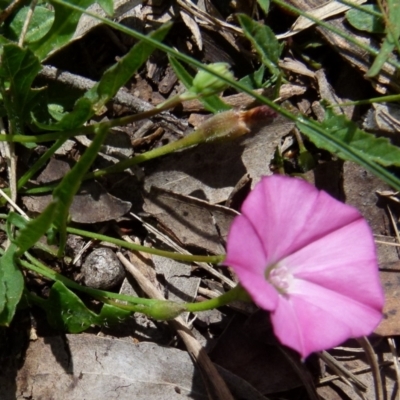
(280, 277)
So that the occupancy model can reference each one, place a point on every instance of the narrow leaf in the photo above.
(107, 6)
(68, 187)
(255, 79)
(111, 315)
(264, 5)
(378, 150)
(36, 228)
(11, 285)
(391, 39)
(67, 312)
(116, 76)
(19, 67)
(264, 42)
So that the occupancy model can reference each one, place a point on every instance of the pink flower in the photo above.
(308, 259)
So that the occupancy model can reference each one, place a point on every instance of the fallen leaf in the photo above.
(91, 205)
(192, 221)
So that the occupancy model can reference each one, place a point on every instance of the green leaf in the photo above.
(11, 285)
(36, 228)
(68, 187)
(14, 220)
(62, 30)
(111, 315)
(211, 103)
(264, 5)
(264, 41)
(120, 73)
(364, 21)
(107, 6)
(19, 67)
(67, 312)
(255, 79)
(40, 24)
(378, 150)
(83, 110)
(391, 40)
(111, 81)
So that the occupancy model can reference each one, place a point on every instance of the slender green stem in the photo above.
(135, 304)
(36, 266)
(135, 247)
(356, 6)
(381, 99)
(237, 293)
(44, 137)
(192, 139)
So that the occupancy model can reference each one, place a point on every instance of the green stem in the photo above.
(135, 247)
(36, 266)
(136, 304)
(237, 293)
(381, 99)
(191, 139)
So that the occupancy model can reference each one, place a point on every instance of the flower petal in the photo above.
(289, 213)
(320, 319)
(343, 261)
(245, 254)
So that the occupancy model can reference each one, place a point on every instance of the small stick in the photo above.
(370, 354)
(181, 250)
(392, 345)
(26, 23)
(191, 343)
(341, 371)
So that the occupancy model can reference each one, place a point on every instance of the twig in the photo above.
(387, 243)
(191, 343)
(360, 370)
(26, 23)
(199, 13)
(13, 204)
(9, 154)
(181, 250)
(392, 345)
(370, 354)
(341, 371)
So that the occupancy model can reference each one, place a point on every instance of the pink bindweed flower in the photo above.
(308, 259)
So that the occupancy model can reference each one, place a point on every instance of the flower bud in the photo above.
(206, 84)
(233, 123)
